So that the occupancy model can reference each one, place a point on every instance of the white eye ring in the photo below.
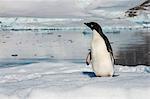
(92, 25)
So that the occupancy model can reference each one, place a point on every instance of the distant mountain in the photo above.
(139, 9)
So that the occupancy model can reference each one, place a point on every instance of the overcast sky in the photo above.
(52, 8)
(41, 8)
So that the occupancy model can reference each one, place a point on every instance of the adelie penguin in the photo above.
(101, 54)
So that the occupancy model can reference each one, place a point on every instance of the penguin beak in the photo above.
(85, 23)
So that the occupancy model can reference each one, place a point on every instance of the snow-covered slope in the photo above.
(61, 80)
(140, 13)
(65, 8)
(109, 12)
(143, 8)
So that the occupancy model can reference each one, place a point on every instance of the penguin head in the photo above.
(94, 26)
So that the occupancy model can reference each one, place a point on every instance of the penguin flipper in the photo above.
(112, 58)
(88, 58)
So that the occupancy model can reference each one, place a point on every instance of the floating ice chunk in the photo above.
(147, 69)
(139, 68)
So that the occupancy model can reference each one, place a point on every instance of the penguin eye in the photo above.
(92, 25)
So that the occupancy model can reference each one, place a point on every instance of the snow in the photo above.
(72, 80)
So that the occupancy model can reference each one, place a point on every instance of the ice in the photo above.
(31, 24)
(61, 80)
(51, 24)
(141, 68)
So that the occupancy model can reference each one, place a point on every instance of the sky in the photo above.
(53, 8)
(41, 7)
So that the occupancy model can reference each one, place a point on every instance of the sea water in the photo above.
(55, 41)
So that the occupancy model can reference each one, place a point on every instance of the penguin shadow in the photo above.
(92, 74)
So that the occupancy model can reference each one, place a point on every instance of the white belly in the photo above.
(101, 59)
